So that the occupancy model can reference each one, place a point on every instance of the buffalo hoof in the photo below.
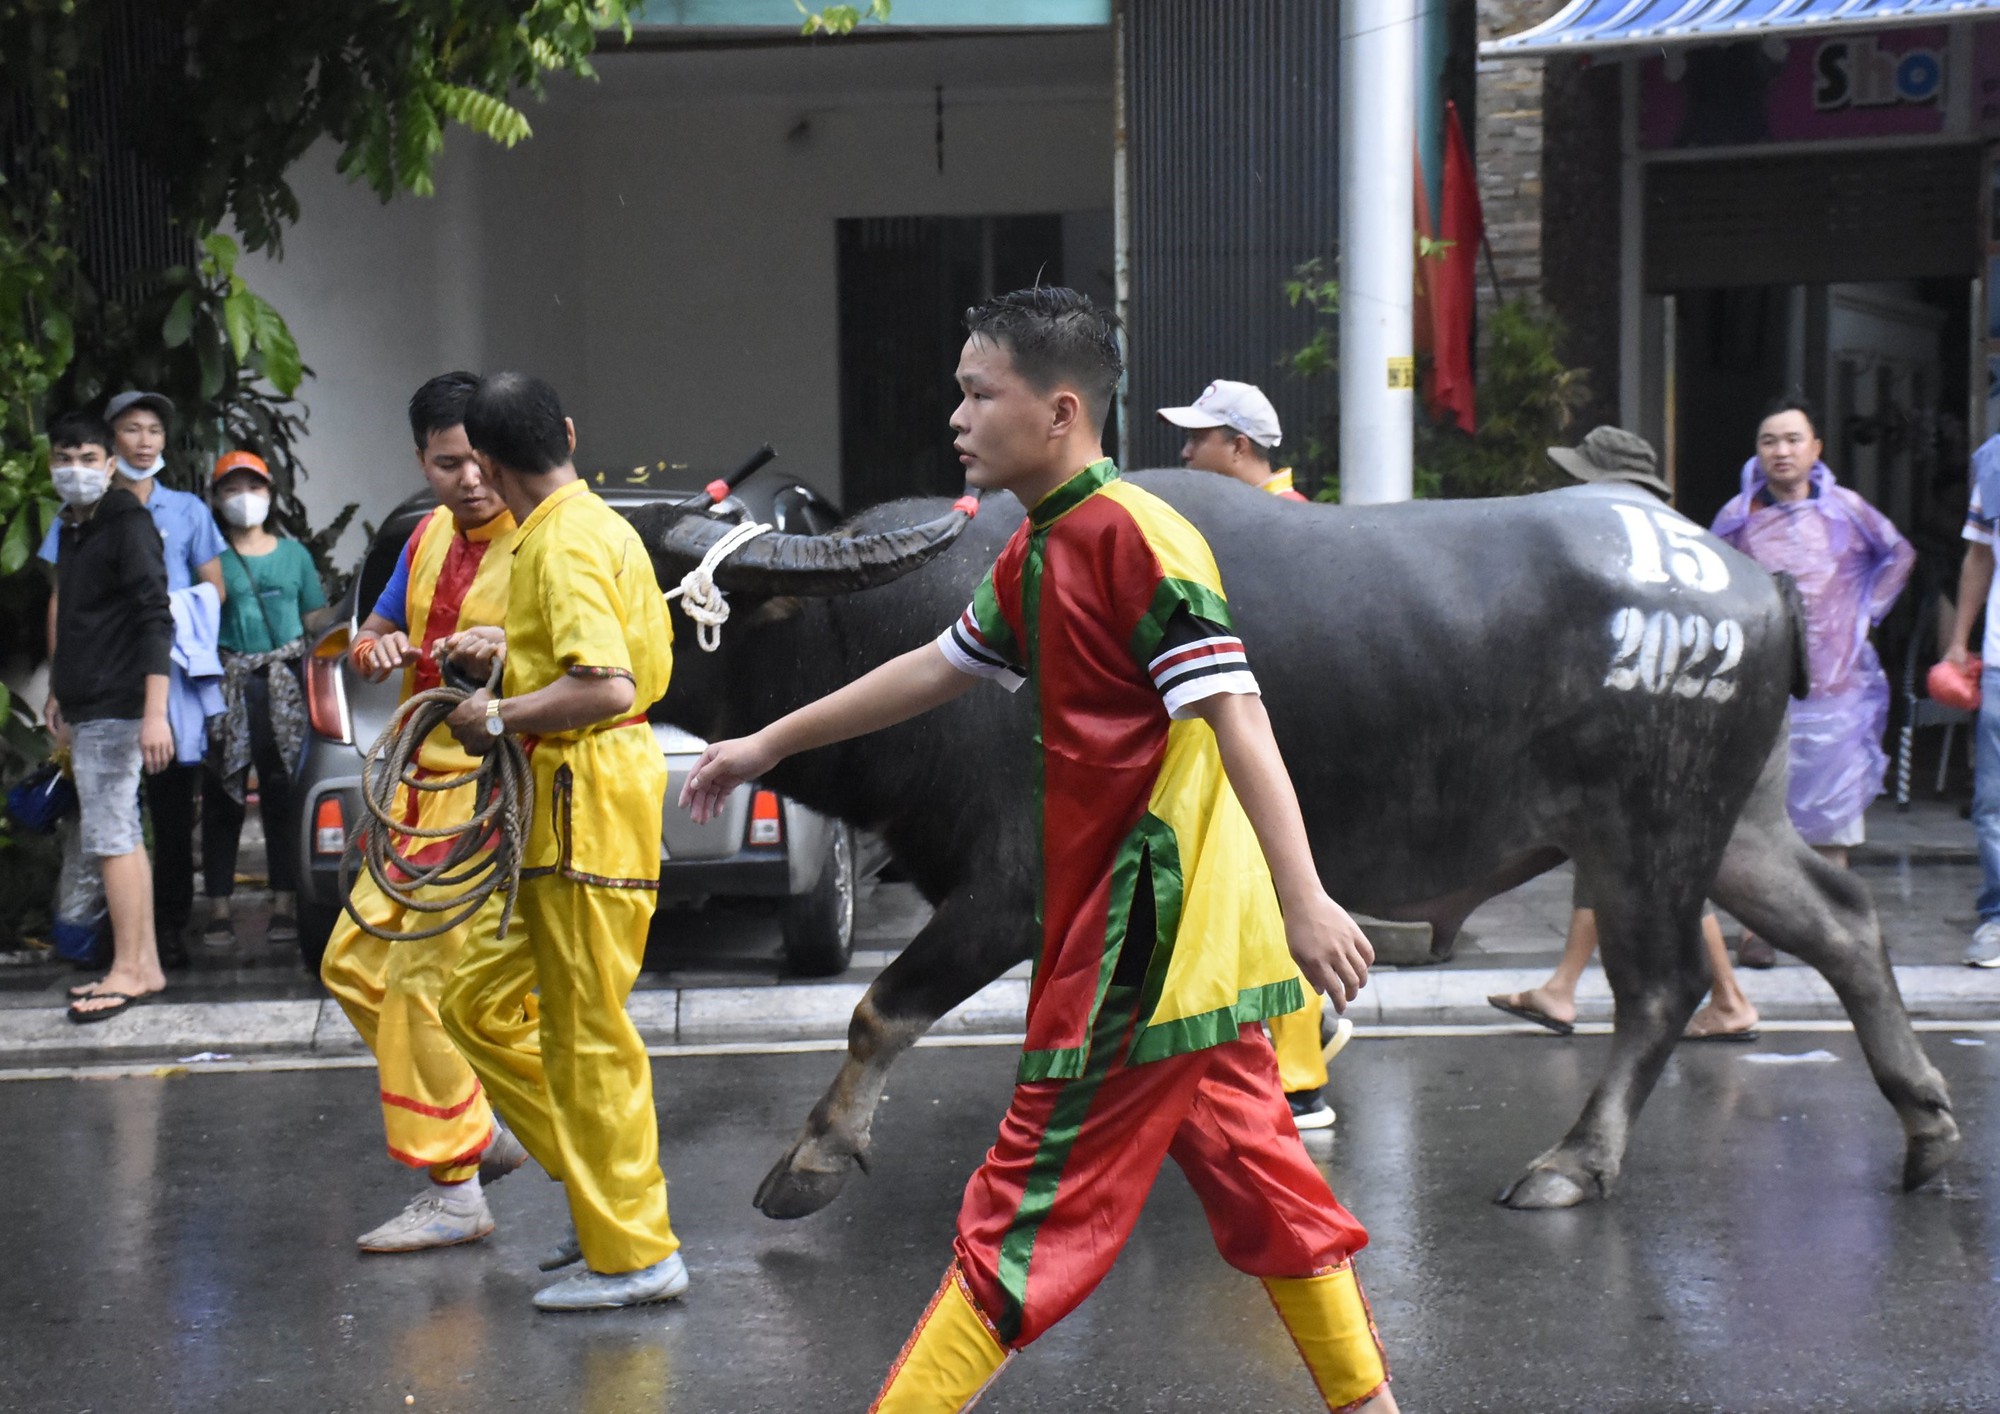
(1544, 1188)
(1926, 1154)
(809, 1177)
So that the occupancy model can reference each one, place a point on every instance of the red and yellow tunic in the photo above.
(1281, 486)
(1109, 605)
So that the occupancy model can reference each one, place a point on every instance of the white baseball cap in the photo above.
(1241, 406)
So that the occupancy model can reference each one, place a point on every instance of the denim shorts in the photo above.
(104, 755)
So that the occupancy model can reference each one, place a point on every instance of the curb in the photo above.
(707, 1015)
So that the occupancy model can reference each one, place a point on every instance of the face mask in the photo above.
(80, 486)
(244, 509)
(133, 473)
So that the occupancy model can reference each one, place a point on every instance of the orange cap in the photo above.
(239, 461)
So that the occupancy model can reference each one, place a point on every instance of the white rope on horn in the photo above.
(700, 599)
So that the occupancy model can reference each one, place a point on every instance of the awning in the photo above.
(1594, 26)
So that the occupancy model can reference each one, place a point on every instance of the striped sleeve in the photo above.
(980, 642)
(1196, 658)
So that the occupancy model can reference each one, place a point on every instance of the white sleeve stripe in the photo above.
(1213, 662)
(1226, 640)
(1978, 535)
(974, 647)
(1179, 699)
(977, 667)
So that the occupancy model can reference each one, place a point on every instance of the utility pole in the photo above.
(1378, 67)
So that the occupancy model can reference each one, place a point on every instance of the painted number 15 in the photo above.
(1666, 547)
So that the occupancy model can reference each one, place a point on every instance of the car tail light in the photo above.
(329, 827)
(766, 820)
(326, 692)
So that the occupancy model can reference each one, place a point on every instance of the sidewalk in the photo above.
(719, 981)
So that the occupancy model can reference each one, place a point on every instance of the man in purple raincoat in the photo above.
(1850, 563)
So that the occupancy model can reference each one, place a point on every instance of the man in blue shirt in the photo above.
(1978, 593)
(193, 548)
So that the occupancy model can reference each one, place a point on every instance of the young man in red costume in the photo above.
(1163, 949)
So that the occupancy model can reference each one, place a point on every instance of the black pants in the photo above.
(222, 817)
(170, 798)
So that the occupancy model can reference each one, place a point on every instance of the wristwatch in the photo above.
(494, 726)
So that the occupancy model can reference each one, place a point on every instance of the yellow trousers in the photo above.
(433, 1109)
(578, 1091)
(1295, 1037)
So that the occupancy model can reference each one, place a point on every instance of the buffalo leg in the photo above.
(1658, 970)
(1822, 915)
(974, 936)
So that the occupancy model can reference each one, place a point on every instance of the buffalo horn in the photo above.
(806, 565)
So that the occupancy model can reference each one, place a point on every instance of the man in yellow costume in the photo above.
(1231, 431)
(587, 650)
(451, 575)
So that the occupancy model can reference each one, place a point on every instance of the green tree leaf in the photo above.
(222, 250)
(180, 321)
(274, 341)
(14, 548)
(240, 319)
(483, 113)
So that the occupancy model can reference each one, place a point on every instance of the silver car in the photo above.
(763, 846)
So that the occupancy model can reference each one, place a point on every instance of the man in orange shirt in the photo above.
(1232, 429)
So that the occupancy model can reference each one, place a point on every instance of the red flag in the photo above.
(1450, 278)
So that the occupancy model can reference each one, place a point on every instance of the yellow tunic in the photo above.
(584, 601)
(433, 1109)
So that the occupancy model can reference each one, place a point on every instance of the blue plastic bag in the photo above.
(41, 801)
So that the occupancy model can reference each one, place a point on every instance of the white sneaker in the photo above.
(1310, 1110)
(601, 1291)
(1984, 949)
(434, 1218)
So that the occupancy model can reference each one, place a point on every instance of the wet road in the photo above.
(185, 1244)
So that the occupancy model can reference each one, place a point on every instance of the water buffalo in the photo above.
(1466, 692)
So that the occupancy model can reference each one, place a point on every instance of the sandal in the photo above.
(126, 1001)
(1528, 1013)
(1742, 1035)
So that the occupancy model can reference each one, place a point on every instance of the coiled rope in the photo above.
(700, 600)
(485, 852)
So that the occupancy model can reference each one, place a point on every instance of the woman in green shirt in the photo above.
(272, 586)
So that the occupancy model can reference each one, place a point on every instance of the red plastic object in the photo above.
(967, 505)
(1955, 687)
(717, 490)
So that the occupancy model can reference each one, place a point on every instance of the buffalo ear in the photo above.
(774, 611)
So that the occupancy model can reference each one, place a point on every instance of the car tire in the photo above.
(818, 925)
(316, 922)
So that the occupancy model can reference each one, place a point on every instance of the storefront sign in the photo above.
(1890, 84)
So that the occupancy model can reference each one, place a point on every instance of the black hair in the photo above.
(1055, 335)
(1793, 401)
(517, 419)
(439, 405)
(80, 429)
(1257, 449)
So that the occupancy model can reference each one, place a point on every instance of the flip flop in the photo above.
(85, 989)
(126, 1001)
(1743, 1037)
(1528, 1013)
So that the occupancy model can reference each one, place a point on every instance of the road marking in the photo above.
(142, 1070)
